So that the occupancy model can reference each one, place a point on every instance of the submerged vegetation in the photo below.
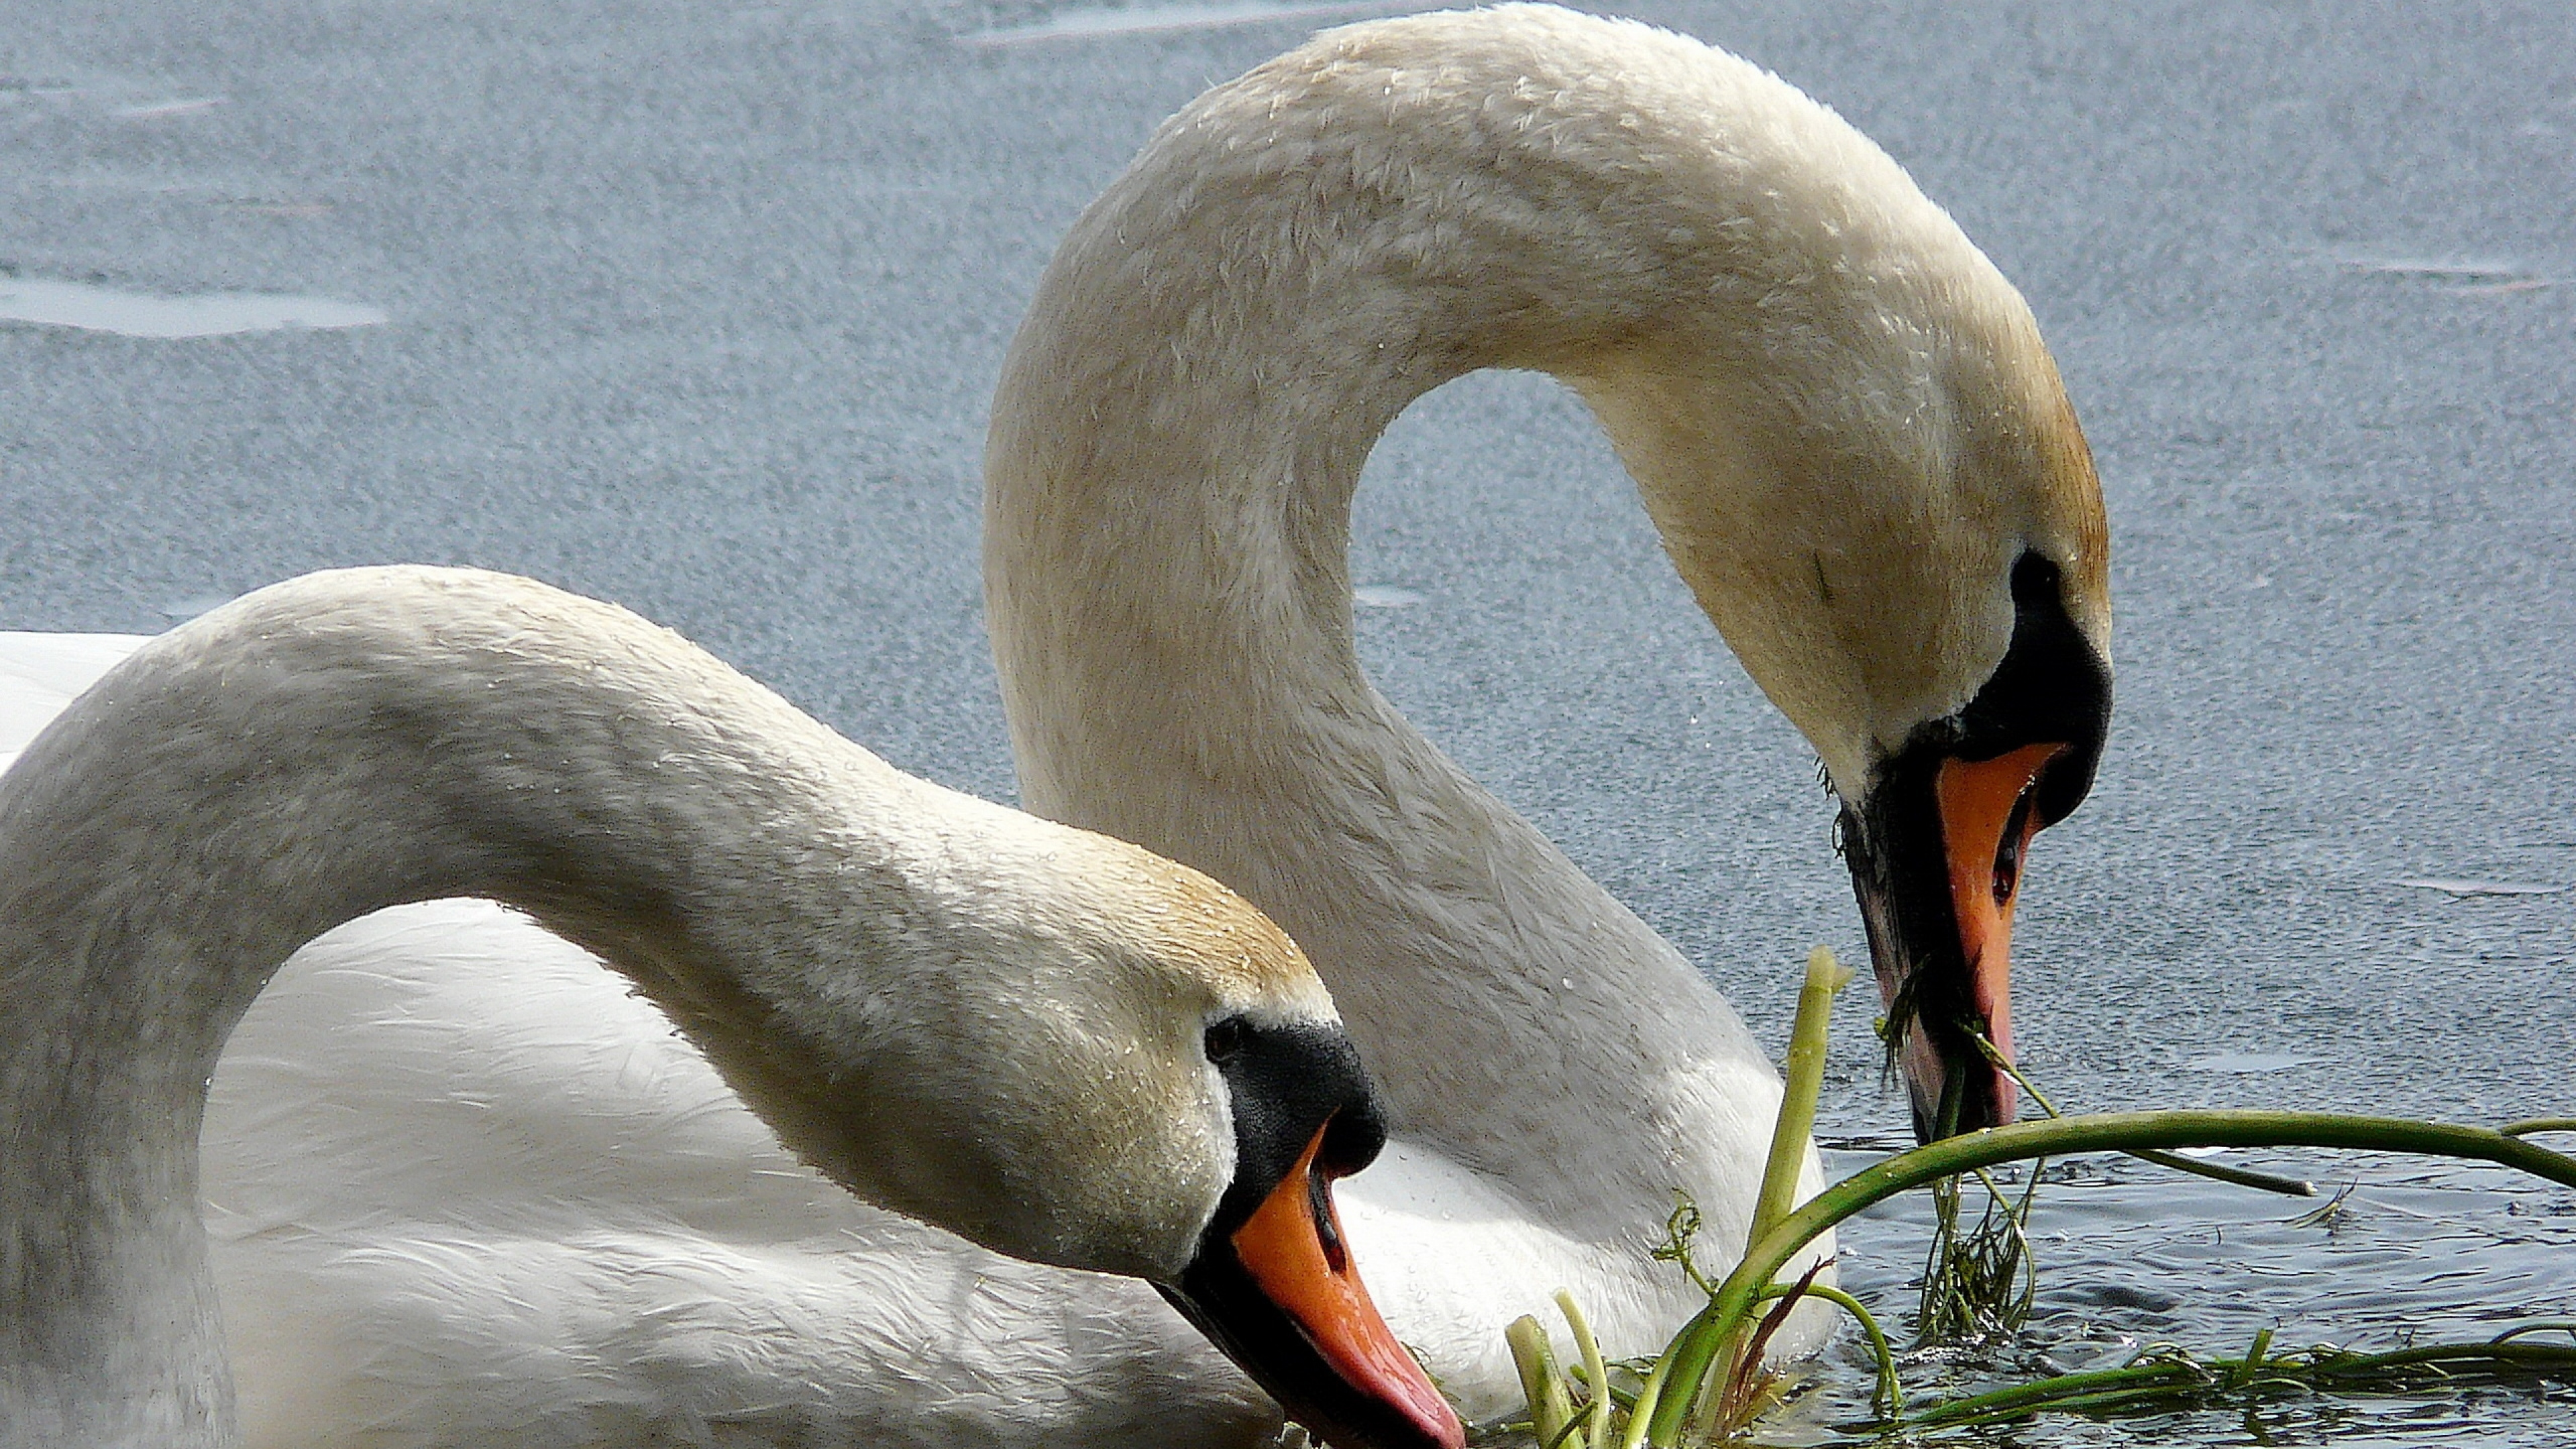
(1710, 1384)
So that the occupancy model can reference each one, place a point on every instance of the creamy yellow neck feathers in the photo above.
(1836, 408)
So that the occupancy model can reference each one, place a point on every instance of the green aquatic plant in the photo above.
(1686, 1365)
(1709, 1379)
(2164, 1377)
(1980, 1282)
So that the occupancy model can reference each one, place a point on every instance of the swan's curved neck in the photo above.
(1708, 257)
(234, 791)
(1168, 589)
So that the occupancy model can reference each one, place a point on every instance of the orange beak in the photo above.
(1935, 845)
(1936, 856)
(1987, 821)
(1290, 1307)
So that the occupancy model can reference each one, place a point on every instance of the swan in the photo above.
(1861, 460)
(1859, 457)
(1060, 1046)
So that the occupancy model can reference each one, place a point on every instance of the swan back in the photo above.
(983, 1019)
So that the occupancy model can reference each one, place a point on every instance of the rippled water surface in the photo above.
(699, 308)
(2413, 1252)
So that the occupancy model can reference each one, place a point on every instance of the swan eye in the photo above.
(1226, 1040)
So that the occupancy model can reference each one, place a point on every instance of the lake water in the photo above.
(698, 307)
(2129, 1255)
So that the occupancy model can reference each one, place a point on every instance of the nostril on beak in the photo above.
(1328, 1224)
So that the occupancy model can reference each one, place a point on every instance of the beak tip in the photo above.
(1431, 1414)
(1438, 1424)
(1295, 1315)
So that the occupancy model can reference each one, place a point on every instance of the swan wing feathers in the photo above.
(584, 1238)
(40, 673)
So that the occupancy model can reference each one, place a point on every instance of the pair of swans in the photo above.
(1859, 457)
(1063, 1047)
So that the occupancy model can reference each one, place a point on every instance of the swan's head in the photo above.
(1123, 1067)
(1884, 502)
(1937, 628)
(1861, 458)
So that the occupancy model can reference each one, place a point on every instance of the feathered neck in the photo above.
(882, 968)
(1759, 306)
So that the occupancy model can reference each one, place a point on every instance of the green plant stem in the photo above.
(1649, 1409)
(2216, 1172)
(1802, 1079)
(2252, 1363)
(2538, 1124)
(2544, 1325)
(2166, 1377)
(1596, 1374)
(2498, 1350)
(1550, 1409)
(2123, 1382)
(1891, 1393)
(1685, 1363)
(1618, 1396)
(2221, 1172)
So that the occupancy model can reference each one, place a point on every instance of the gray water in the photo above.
(696, 307)
(2130, 1256)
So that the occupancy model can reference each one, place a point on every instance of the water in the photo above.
(39, 302)
(1074, 23)
(1385, 596)
(700, 309)
(2129, 1255)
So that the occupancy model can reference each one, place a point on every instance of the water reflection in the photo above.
(1075, 23)
(136, 314)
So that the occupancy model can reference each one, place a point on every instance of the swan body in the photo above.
(1859, 456)
(584, 1237)
(1057, 1045)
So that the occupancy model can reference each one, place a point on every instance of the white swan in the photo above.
(1859, 456)
(1844, 423)
(1066, 1048)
